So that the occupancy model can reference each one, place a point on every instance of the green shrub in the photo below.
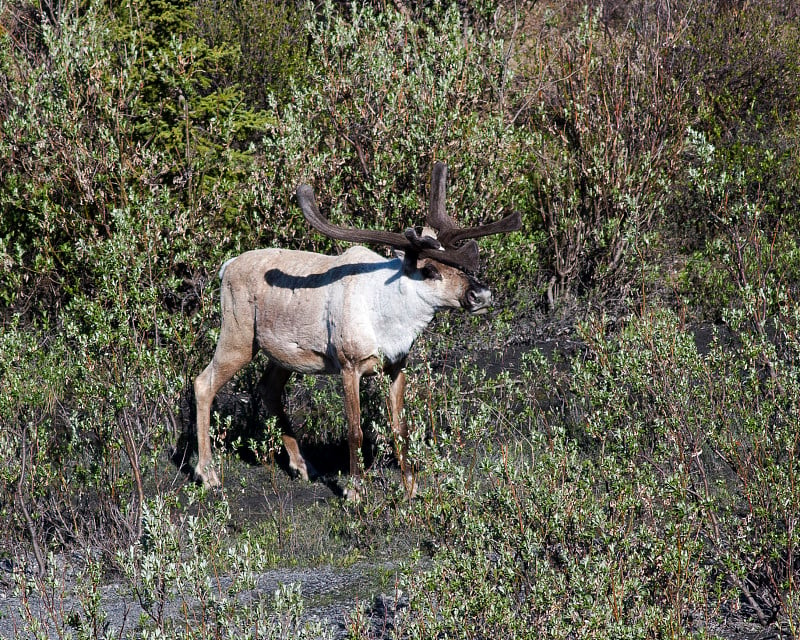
(751, 256)
(530, 532)
(608, 132)
(194, 582)
(736, 207)
(386, 97)
(716, 431)
(97, 398)
(737, 95)
(652, 490)
(269, 43)
(637, 488)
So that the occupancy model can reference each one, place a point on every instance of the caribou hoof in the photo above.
(207, 477)
(305, 470)
(353, 494)
(410, 485)
(311, 472)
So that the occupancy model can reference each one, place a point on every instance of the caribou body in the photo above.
(354, 314)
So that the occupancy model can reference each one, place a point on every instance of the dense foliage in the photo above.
(640, 484)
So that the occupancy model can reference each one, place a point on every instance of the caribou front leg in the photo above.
(351, 379)
(397, 391)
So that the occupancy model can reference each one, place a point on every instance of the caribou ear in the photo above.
(430, 272)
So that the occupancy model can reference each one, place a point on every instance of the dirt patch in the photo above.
(330, 594)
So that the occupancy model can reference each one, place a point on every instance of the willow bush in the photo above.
(649, 495)
(608, 131)
(389, 95)
(98, 272)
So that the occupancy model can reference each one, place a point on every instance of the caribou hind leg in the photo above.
(270, 387)
(233, 352)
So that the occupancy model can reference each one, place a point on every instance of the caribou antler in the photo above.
(447, 230)
(443, 247)
(307, 202)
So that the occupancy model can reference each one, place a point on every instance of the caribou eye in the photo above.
(430, 272)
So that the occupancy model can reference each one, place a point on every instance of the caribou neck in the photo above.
(399, 312)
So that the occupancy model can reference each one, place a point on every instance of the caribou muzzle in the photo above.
(477, 300)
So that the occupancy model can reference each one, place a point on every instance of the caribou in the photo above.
(354, 314)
